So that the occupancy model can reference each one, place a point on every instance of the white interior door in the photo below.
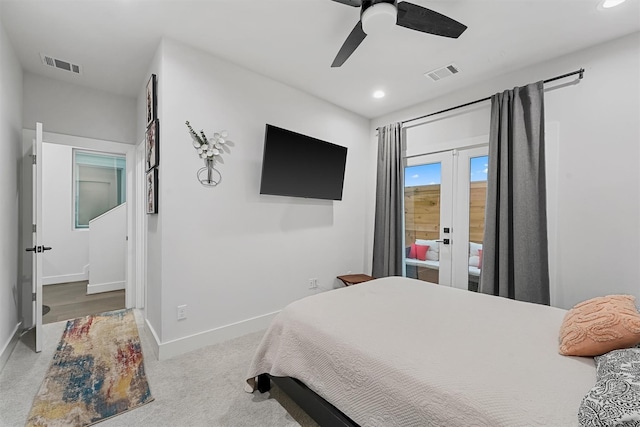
(38, 249)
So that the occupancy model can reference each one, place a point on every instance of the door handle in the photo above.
(38, 249)
(444, 241)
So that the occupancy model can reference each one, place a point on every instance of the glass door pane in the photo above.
(427, 207)
(477, 201)
(468, 221)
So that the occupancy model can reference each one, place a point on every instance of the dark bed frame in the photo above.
(321, 411)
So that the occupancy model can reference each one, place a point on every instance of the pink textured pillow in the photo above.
(600, 325)
(412, 252)
(480, 258)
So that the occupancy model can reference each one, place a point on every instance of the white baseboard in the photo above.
(169, 349)
(65, 278)
(153, 338)
(9, 346)
(104, 287)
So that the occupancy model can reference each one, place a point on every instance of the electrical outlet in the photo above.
(182, 312)
(313, 283)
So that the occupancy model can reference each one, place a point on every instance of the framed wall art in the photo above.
(152, 138)
(152, 191)
(152, 101)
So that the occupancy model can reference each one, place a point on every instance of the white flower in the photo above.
(208, 148)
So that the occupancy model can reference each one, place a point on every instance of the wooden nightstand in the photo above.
(354, 279)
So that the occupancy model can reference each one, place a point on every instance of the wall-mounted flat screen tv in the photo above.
(297, 165)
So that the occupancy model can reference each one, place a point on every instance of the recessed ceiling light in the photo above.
(378, 94)
(607, 4)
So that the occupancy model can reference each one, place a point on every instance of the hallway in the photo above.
(70, 300)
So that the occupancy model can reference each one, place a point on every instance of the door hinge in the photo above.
(33, 296)
(33, 228)
(34, 159)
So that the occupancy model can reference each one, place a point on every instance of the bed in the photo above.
(403, 352)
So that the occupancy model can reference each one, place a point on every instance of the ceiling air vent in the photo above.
(60, 64)
(441, 73)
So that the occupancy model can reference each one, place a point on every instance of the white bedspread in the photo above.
(402, 352)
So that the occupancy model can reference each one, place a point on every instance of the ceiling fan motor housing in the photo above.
(378, 15)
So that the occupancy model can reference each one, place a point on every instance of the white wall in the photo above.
(10, 140)
(598, 187)
(70, 255)
(108, 250)
(77, 110)
(227, 252)
(69, 260)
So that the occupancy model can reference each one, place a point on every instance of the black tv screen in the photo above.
(301, 166)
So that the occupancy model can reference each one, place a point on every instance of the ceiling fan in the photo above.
(375, 14)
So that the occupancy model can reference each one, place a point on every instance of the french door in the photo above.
(428, 215)
(444, 202)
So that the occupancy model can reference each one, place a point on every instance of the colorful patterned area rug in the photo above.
(97, 372)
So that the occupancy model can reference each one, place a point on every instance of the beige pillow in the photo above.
(600, 325)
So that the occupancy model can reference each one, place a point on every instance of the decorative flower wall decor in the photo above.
(210, 150)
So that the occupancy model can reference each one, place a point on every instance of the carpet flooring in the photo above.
(201, 388)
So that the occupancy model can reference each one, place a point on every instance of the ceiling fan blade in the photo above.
(427, 21)
(354, 3)
(350, 45)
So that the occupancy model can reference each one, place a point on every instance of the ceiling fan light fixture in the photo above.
(608, 4)
(379, 17)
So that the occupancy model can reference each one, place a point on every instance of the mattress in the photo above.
(402, 352)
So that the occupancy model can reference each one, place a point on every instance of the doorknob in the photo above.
(444, 241)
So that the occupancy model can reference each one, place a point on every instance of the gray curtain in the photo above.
(515, 253)
(387, 237)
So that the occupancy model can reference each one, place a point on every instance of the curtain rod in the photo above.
(580, 72)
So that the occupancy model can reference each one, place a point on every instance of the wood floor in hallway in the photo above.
(70, 300)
